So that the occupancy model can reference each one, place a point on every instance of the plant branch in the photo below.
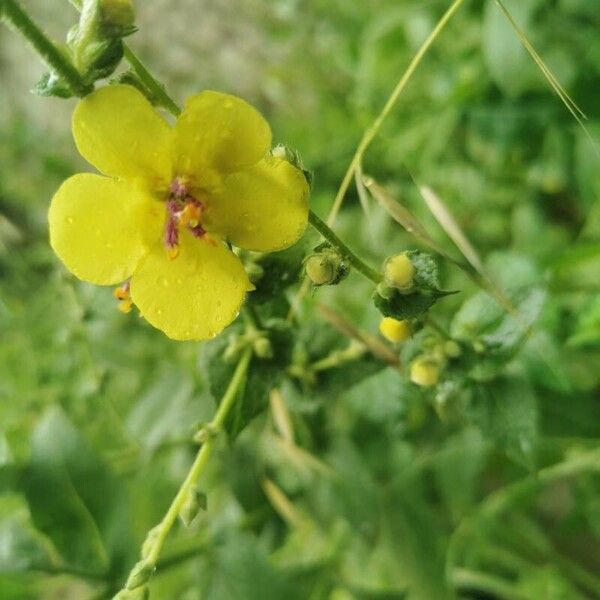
(346, 253)
(158, 534)
(202, 457)
(151, 83)
(13, 13)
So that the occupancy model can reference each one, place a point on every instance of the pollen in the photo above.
(173, 252)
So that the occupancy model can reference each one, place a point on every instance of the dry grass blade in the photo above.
(404, 217)
(281, 416)
(559, 90)
(375, 346)
(451, 227)
(281, 503)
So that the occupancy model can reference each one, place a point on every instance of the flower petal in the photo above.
(263, 208)
(119, 132)
(218, 133)
(100, 227)
(194, 296)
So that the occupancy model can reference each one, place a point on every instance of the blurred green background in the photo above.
(486, 490)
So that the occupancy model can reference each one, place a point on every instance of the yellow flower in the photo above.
(168, 199)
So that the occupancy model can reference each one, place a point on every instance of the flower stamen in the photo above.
(183, 210)
(123, 294)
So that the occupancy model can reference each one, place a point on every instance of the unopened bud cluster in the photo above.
(426, 369)
(258, 340)
(325, 266)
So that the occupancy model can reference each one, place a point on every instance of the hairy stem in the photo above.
(346, 253)
(151, 83)
(373, 130)
(197, 468)
(13, 13)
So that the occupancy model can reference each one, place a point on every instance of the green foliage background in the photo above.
(486, 490)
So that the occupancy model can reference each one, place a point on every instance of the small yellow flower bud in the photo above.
(320, 269)
(398, 272)
(424, 372)
(263, 348)
(452, 349)
(394, 330)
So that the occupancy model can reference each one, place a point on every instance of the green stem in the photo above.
(14, 14)
(346, 253)
(370, 134)
(151, 83)
(197, 468)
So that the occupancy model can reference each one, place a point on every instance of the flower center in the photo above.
(183, 210)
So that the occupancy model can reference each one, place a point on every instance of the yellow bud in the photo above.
(424, 372)
(320, 269)
(393, 330)
(398, 272)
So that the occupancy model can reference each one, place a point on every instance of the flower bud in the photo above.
(117, 13)
(398, 273)
(140, 593)
(452, 349)
(150, 540)
(325, 267)
(194, 503)
(424, 372)
(263, 348)
(394, 330)
(140, 574)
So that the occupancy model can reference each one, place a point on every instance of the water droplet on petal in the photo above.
(70, 220)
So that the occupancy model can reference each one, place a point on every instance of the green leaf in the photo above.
(21, 547)
(74, 499)
(506, 411)
(241, 571)
(587, 330)
(509, 65)
(263, 374)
